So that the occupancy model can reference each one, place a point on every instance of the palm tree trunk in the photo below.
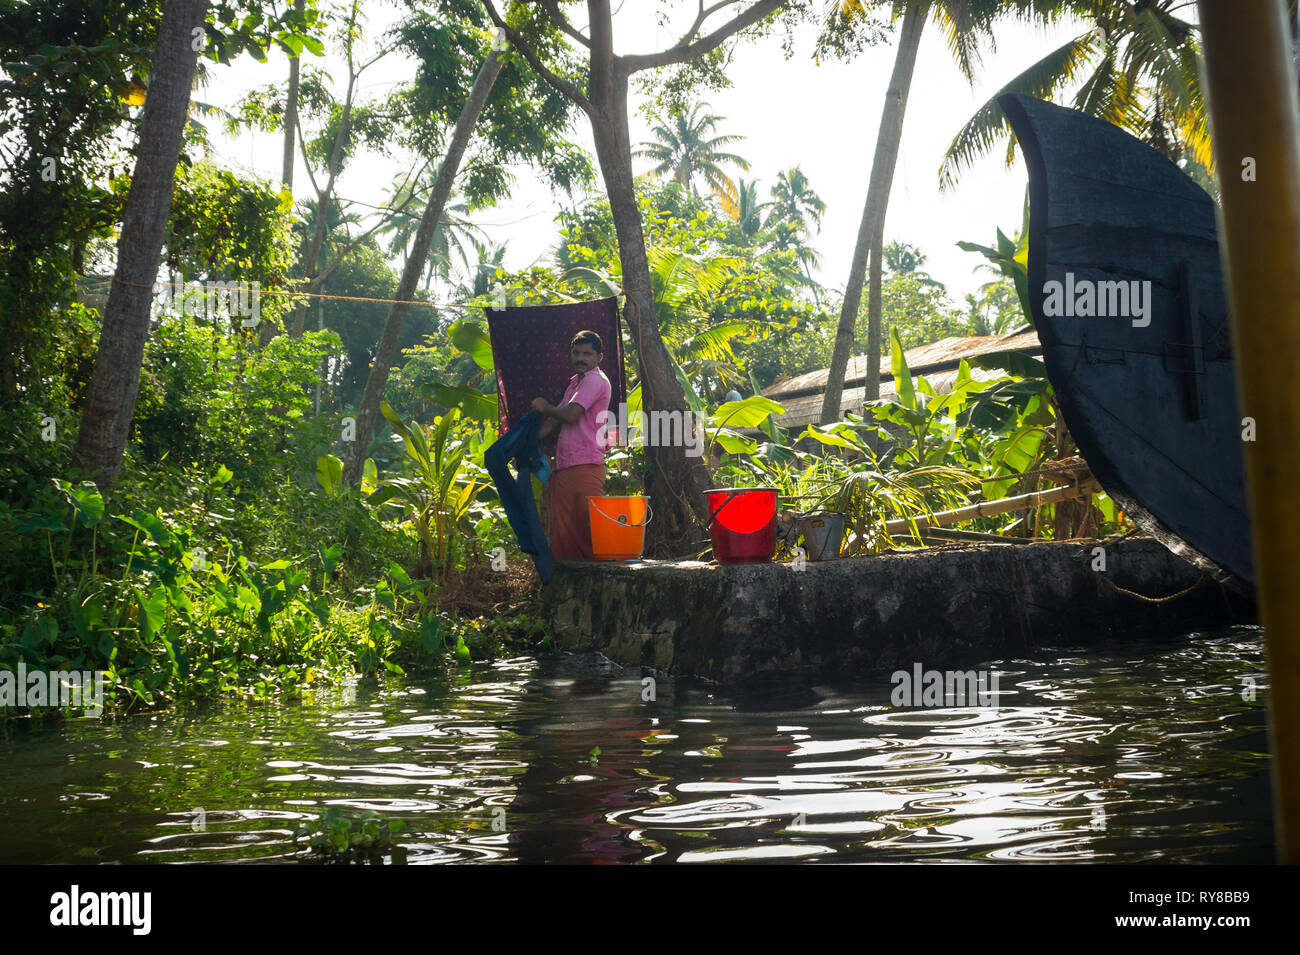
(386, 353)
(872, 385)
(871, 230)
(115, 383)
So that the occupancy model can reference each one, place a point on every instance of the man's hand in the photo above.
(541, 405)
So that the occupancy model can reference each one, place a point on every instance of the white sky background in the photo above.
(823, 118)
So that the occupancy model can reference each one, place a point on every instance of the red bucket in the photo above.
(743, 523)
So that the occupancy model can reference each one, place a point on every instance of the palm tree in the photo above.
(386, 351)
(337, 225)
(903, 258)
(794, 201)
(786, 236)
(750, 220)
(488, 259)
(964, 23)
(1138, 64)
(794, 204)
(687, 289)
(115, 382)
(994, 310)
(452, 234)
(690, 146)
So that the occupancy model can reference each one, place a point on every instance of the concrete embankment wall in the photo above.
(944, 605)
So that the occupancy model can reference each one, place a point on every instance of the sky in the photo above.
(821, 117)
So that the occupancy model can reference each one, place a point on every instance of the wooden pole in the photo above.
(1251, 86)
(1006, 505)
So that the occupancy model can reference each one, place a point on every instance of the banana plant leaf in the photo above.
(471, 338)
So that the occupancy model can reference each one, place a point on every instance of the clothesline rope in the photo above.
(322, 295)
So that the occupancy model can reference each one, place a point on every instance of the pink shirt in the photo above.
(580, 443)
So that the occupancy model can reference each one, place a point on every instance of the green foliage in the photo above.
(471, 338)
(1011, 257)
(472, 404)
(915, 452)
(336, 838)
(686, 144)
(524, 121)
(921, 312)
(70, 85)
(254, 26)
(329, 474)
(849, 28)
(750, 412)
(66, 73)
(232, 559)
(168, 608)
(215, 400)
(723, 298)
(224, 227)
(363, 273)
(436, 501)
(1134, 64)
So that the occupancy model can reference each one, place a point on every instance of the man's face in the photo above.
(583, 358)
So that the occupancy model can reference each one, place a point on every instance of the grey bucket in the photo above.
(822, 535)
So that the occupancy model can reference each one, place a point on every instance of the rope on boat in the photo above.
(1154, 600)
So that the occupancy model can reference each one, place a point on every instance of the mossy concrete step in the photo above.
(942, 605)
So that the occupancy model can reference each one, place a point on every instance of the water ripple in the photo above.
(1133, 755)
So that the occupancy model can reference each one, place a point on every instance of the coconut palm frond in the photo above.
(683, 285)
(1144, 79)
(749, 210)
(715, 342)
(989, 125)
(964, 23)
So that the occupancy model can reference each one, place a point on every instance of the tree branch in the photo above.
(552, 8)
(680, 53)
(391, 213)
(321, 275)
(306, 160)
(703, 15)
(377, 57)
(519, 43)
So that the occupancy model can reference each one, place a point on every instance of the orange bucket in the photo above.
(618, 526)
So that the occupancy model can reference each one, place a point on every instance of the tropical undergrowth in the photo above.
(186, 584)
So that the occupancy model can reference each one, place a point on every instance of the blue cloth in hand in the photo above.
(522, 445)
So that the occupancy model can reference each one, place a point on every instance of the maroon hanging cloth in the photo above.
(530, 347)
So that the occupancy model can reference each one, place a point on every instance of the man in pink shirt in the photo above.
(579, 452)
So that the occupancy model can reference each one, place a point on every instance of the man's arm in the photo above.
(569, 414)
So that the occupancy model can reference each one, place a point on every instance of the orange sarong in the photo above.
(570, 519)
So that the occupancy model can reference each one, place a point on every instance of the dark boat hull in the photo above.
(1151, 399)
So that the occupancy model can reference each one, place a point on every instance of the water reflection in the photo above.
(1140, 755)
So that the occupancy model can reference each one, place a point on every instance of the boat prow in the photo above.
(1128, 299)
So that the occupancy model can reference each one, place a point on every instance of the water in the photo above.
(1147, 753)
